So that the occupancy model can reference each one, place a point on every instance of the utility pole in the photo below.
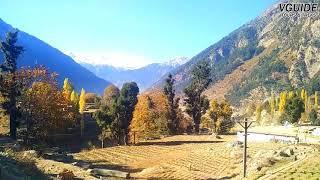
(245, 127)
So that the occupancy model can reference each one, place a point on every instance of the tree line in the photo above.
(295, 106)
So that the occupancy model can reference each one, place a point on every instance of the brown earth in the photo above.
(177, 157)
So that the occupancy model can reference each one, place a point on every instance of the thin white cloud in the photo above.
(117, 59)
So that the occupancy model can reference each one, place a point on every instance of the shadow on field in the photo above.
(174, 143)
(102, 164)
(91, 164)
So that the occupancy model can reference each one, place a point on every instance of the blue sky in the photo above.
(130, 32)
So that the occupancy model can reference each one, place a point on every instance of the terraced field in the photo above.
(178, 157)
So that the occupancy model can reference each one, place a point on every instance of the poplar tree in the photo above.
(82, 101)
(303, 94)
(283, 100)
(8, 83)
(74, 98)
(82, 106)
(259, 109)
(272, 104)
(291, 94)
(316, 100)
(67, 88)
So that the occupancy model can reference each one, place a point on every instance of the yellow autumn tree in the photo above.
(291, 94)
(272, 104)
(306, 101)
(303, 94)
(316, 104)
(258, 112)
(149, 116)
(74, 98)
(82, 106)
(67, 88)
(220, 114)
(283, 101)
(82, 101)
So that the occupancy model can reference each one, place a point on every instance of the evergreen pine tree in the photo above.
(125, 106)
(197, 104)
(8, 85)
(173, 104)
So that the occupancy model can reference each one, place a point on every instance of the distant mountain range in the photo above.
(145, 76)
(38, 52)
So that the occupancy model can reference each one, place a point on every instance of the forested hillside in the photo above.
(272, 52)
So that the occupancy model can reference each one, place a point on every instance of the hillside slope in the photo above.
(38, 52)
(277, 52)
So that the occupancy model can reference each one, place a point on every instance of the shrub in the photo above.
(313, 117)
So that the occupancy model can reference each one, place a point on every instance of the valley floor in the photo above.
(181, 157)
(195, 157)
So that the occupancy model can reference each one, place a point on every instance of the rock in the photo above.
(283, 154)
(66, 175)
(289, 151)
(236, 144)
(17, 147)
(30, 154)
(109, 173)
(83, 165)
(286, 152)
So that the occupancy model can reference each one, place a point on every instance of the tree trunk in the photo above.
(125, 137)
(196, 128)
(13, 128)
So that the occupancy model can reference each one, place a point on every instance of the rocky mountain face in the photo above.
(39, 53)
(272, 52)
(144, 76)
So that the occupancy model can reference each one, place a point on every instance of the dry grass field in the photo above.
(177, 157)
(308, 168)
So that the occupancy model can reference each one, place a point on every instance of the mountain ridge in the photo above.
(290, 57)
(38, 52)
(144, 76)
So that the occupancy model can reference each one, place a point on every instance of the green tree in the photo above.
(196, 103)
(108, 114)
(293, 109)
(111, 93)
(124, 109)
(8, 83)
(104, 118)
(173, 105)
